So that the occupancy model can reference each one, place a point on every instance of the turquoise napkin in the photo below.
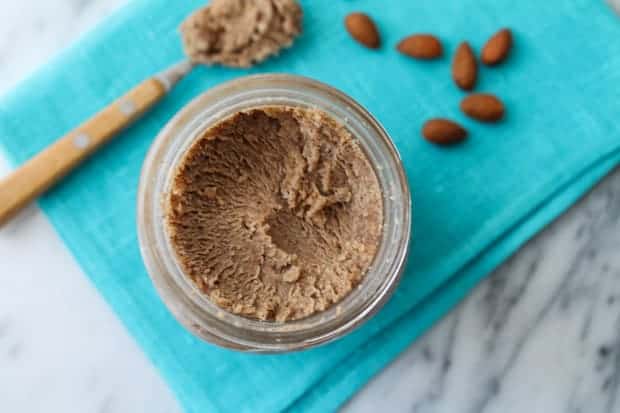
(474, 204)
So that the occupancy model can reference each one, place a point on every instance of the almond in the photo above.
(497, 48)
(483, 107)
(443, 131)
(421, 46)
(361, 27)
(465, 67)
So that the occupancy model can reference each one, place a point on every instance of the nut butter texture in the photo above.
(240, 33)
(275, 213)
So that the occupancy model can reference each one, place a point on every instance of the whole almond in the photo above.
(361, 27)
(465, 67)
(421, 46)
(497, 48)
(443, 132)
(483, 107)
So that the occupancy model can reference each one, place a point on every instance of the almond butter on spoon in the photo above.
(233, 33)
(241, 33)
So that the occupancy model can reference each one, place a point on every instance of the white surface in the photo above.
(61, 348)
(541, 335)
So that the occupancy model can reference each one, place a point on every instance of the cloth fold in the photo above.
(474, 204)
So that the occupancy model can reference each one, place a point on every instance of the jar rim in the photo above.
(192, 308)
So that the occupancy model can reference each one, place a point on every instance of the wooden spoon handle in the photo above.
(46, 168)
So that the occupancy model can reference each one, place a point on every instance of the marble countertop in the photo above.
(542, 334)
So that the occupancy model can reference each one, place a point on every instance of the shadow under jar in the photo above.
(192, 307)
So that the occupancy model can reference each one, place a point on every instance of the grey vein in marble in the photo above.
(542, 334)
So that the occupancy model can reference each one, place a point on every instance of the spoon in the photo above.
(216, 34)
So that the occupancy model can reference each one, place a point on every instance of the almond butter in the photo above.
(361, 27)
(483, 107)
(421, 46)
(443, 132)
(497, 48)
(465, 67)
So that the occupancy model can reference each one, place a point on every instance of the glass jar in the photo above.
(192, 308)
